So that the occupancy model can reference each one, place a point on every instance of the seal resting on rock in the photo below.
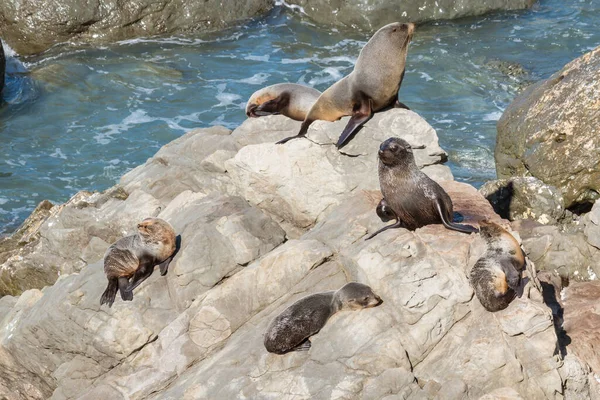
(372, 86)
(496, 276)
(289, 99)
(409, 196)
(290, 330)
(135, 257)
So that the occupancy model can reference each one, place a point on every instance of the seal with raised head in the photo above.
(372, 86)
(496, 276)
(290, 330)
(289, 99)
(135, 257)
(409, 195)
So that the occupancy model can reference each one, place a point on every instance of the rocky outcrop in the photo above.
(263, 225)
(33, 26)
(373, 14)
(524, 198)
(550, 132)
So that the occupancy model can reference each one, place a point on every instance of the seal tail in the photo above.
(108, 297)
(453, 226)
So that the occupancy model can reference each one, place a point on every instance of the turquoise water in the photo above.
(78, 117)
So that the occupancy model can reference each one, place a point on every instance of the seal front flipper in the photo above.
(453, 226)
(304, 346)
(126, 295)
(108, 297)
(397, 224)
(302, 133)
(384, 212)
(141, 274)
(361, 113)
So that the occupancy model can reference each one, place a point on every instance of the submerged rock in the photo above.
(31, 26)
(373, 14)
(263, 225)
(550, 132)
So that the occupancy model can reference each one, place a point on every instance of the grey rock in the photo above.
(549, 132)
(373, 14)
(32, 27)
(524, 198)
(591, 222)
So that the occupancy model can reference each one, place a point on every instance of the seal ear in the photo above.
(360, 115)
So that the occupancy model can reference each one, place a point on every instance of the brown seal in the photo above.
(289, 99)
(372, 86)
(496, 276)
(290, 330)
(135, 257)
(410, 196)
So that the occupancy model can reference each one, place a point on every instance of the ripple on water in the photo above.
(78, 117)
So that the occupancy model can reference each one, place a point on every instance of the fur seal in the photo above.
(372, 86)
(290, 99)
(290, 330)
(410, 196)
(496, 276)
(135, 257)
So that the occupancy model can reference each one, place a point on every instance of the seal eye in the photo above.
(394, 148)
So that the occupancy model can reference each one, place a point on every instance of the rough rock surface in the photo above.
(550, 132)
(524, 198)
(373, 14)
(33, 26)
(254, 240)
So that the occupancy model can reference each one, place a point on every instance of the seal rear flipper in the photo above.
(360, 115)
(125, 294)
(397, 224)
(304, 346)
(453, 226)
(302, 133)
(108, 297)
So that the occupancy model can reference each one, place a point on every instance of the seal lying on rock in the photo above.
(372, 86)
(496, 276)
(289, 99)
(410, 196)
(135, 256)
(290, 330)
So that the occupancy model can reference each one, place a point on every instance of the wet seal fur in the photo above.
(409, 196)
(496, 276)
(372, 86)
(290, 330)
(289, 99)
(135, 257)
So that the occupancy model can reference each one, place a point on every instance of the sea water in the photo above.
(78, 116)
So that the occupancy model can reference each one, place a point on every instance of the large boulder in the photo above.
(33, 26)
(370, 15)
(551, 132)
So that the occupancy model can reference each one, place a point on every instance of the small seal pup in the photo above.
(290, 99)
(410, 196)
(135, 256)
(290, 330)
(496, 276)
(372, 86)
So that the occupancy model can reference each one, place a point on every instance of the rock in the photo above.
(2, 68)
(373, 14)
(581, 320)
(32, 27)
(524, 198)
(591, 222)
(549, 132)
(262, 226)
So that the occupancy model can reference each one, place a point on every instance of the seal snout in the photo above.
(251, 110)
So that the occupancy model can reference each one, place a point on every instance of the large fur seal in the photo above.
(372, 86)
(135, 257)
(290, 330)
(496, 276)
(410, 196)
(290, 99)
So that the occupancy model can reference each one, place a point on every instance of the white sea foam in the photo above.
(333, 75)
(426, 76)
(292, 7)
(493, 116)
(225, 99)
(256, 79)
(58, 154)
(135, 118)
(3, 200)
(253, 57)
(296, 60)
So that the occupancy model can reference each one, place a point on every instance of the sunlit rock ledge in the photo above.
(263, 225)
